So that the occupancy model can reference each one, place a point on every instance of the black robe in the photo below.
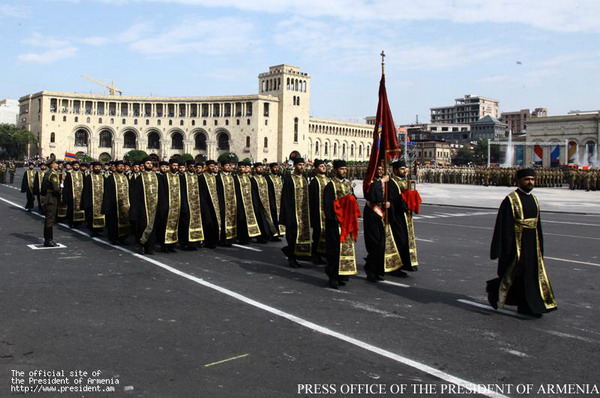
(275, 204)
(263, 217)
(28, 189)
(374, 230)
(140, 213)
(211, 222)
(525, 288)
(223, 206)
(315, 190)
(87, 203)
(187, 215)
(72, 199)
(117, 229)
(296, 246)
(37, 189)
(398, 222)
(162, 211)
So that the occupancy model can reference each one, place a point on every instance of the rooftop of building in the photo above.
(128, 98)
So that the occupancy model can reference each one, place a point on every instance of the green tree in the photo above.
(480, 153)
(228, 155)
(463, 156)
(15, 140)
(135, 155)
(185, 157)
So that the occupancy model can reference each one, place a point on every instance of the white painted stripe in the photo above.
(571, 261)
(470, 386)
(571, 236)
(425, 240)
(442, 215)
(385, 282)
(500, 310)
(247, 247)
(571, 223)
(426, 216)
(40, 246)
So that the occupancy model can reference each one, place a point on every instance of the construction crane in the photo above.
(112, 90)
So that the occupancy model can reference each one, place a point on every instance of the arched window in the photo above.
(124, 121)
(200, 141)
(177, 141)
(590, 152)
(129, 140)
(343, 149)
(247, 141)
(352, 150)
(326, 148)
(100, 120)
(64, 118)
(76, 119)
(87, 119)
(81, 138)
(298, 101)
(334, 148)
(52, 137)
(181, 122)
(295, 129)
(105, 139)
(153, 140)
(317, 147)
(266, 143)
(223, 142)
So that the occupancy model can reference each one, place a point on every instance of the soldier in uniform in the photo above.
(2, 172)
(51, 189)
(28, 184)
(11, 171)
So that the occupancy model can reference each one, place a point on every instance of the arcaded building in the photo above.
(268, 126)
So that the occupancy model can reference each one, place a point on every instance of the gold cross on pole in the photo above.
(382, 61)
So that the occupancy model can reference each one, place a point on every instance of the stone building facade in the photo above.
(269, 126)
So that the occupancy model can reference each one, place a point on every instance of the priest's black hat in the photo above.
(339, 163)
(298, 160)
(525, 173)
(398, 164)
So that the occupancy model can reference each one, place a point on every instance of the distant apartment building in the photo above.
(517, 120)
(488, 127)
(433, 152)
(453, 133)
(466, 110)
(9, 111)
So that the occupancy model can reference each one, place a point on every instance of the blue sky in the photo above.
(526, 54)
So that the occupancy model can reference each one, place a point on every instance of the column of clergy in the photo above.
(194, 205)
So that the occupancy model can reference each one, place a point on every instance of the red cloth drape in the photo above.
(347, 212)
(413, 200)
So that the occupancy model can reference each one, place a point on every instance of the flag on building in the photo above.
(385, 140)
(555, 155)
(70, 156)
(538, 154)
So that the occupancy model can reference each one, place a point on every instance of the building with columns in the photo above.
(268, 126)
(576, 135)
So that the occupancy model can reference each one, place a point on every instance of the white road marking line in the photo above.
(567, 335)
(441, 215)
(500, 310)
(386, 282)
(425, 240)
(571, 236)
(467, 385)
(247, 247)
(571, 223)
(422, 216)
(571, 261)
(515, 352)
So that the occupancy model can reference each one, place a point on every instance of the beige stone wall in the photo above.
(339, 140)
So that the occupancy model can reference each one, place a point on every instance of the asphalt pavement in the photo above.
(238, 322)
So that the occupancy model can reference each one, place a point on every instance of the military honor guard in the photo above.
(341, 226)
(51, 190)
(28, 185)
(295, 215)
(317, 211)
(518, 245)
